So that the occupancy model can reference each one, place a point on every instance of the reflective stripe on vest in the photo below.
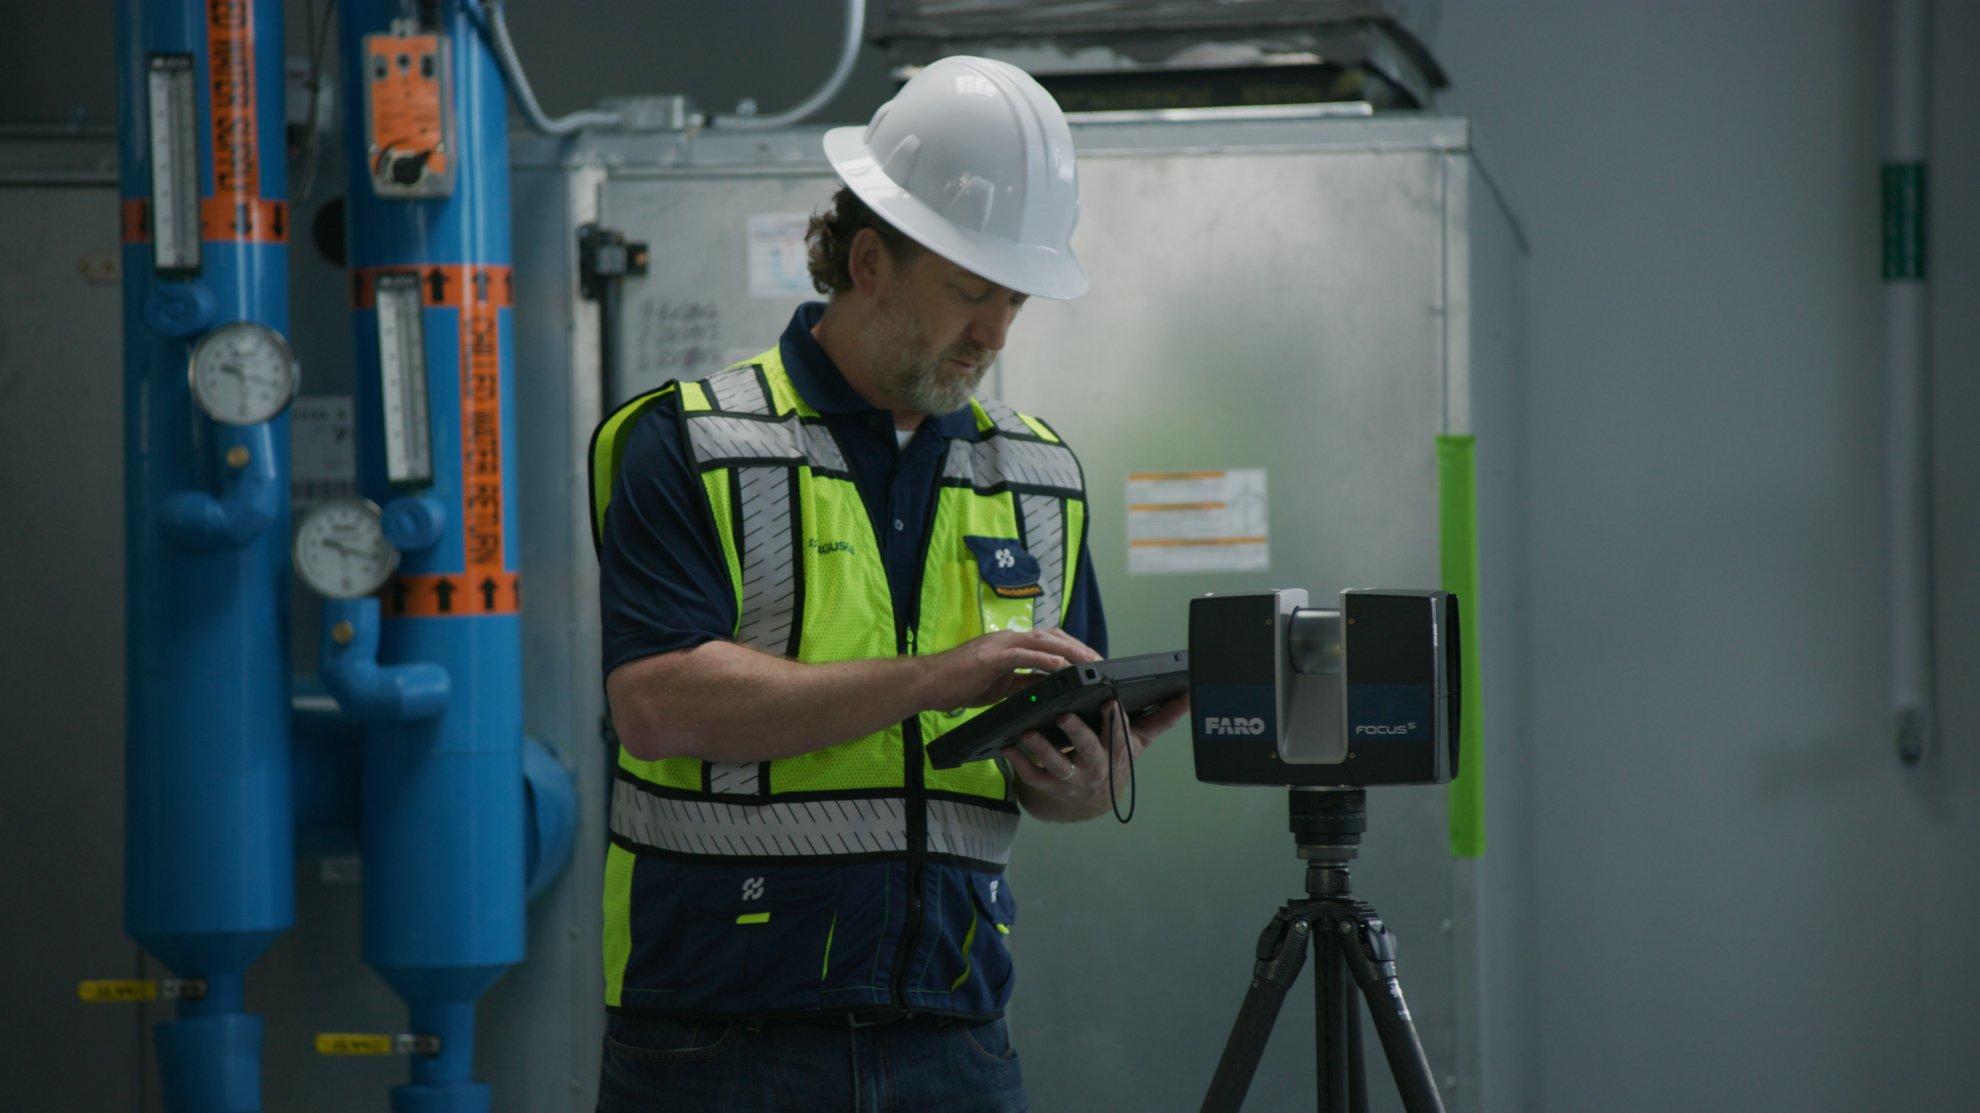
(838, 827)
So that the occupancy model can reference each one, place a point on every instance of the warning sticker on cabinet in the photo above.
(777, 262)
(1197, 521)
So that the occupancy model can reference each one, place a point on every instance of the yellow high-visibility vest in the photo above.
(806, 567)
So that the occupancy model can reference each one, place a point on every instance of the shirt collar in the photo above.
(821, 384)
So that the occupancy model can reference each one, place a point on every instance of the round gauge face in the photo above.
(341, 549)
(243, 373)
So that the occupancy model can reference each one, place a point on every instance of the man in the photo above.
(812, 564)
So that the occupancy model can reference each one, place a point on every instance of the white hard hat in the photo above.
(973, 160)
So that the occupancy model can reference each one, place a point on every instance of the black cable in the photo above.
(1127, 744)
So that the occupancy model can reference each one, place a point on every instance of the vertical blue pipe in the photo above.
(208, 865)
(443, 807)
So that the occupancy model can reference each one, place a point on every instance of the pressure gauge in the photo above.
(243, 373)
(341, 549)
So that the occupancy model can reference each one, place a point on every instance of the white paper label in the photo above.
(340, 869)
(322, 454)
(777, 267)
(1197, 521)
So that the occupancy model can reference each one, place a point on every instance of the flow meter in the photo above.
(341, 550)
(402, 377)
(172, 116)
(243, 373)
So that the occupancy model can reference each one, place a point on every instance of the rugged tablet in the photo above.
(1142, 684)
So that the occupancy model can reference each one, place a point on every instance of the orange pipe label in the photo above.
(236, 212)
(230, 71)
(478, 293)
(452, 595)
(136, 214)
(243, 218)
(481, 429)
(445, 284)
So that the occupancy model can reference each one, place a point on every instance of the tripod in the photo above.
(1327, 824)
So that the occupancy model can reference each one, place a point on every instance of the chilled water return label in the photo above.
(236, 211)
(478, 293)
(776, 256)
(322, 451)
(1197, 521)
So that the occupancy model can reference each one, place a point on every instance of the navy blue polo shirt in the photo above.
(663, 582)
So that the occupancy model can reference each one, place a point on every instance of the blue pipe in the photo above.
(325, 775)
(209, 879)
(444, 827)
(551, 796)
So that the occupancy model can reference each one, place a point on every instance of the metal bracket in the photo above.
(605, 254)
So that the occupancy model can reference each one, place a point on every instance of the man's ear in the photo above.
(869, 263)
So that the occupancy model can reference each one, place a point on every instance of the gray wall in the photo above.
(1728, 895)
(1709, 885)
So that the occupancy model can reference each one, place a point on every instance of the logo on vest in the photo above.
(752, 888)
(823, 547)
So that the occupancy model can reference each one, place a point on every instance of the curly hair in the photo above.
(828, 241)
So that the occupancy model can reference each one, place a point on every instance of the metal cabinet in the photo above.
(1318, 297)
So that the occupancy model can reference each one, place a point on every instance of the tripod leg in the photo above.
(1331, 1016)
(1357, 1072)
(1371, 956)
(1281, 953)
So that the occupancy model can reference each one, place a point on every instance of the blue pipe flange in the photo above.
(180, 308)
(364, 689)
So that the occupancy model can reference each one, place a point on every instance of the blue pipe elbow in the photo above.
(551, 803)
(251, 498)
(364, 689)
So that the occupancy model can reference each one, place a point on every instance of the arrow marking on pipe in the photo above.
(441, 284)
(421, 596)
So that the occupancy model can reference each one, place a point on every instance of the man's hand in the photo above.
(1069, 787)
(983, 669)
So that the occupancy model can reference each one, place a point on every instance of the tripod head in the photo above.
(1327, 824)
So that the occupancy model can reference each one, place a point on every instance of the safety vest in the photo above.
(855, 877)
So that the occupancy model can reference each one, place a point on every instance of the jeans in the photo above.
(683, 1066)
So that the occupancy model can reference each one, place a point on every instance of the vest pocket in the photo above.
(746, 938)
(967, 967)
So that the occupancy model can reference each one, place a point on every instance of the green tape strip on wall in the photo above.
(1457, 530)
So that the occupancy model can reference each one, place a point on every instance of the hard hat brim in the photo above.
(1028, 269)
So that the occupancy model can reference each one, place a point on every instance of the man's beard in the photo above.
(913, 378)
